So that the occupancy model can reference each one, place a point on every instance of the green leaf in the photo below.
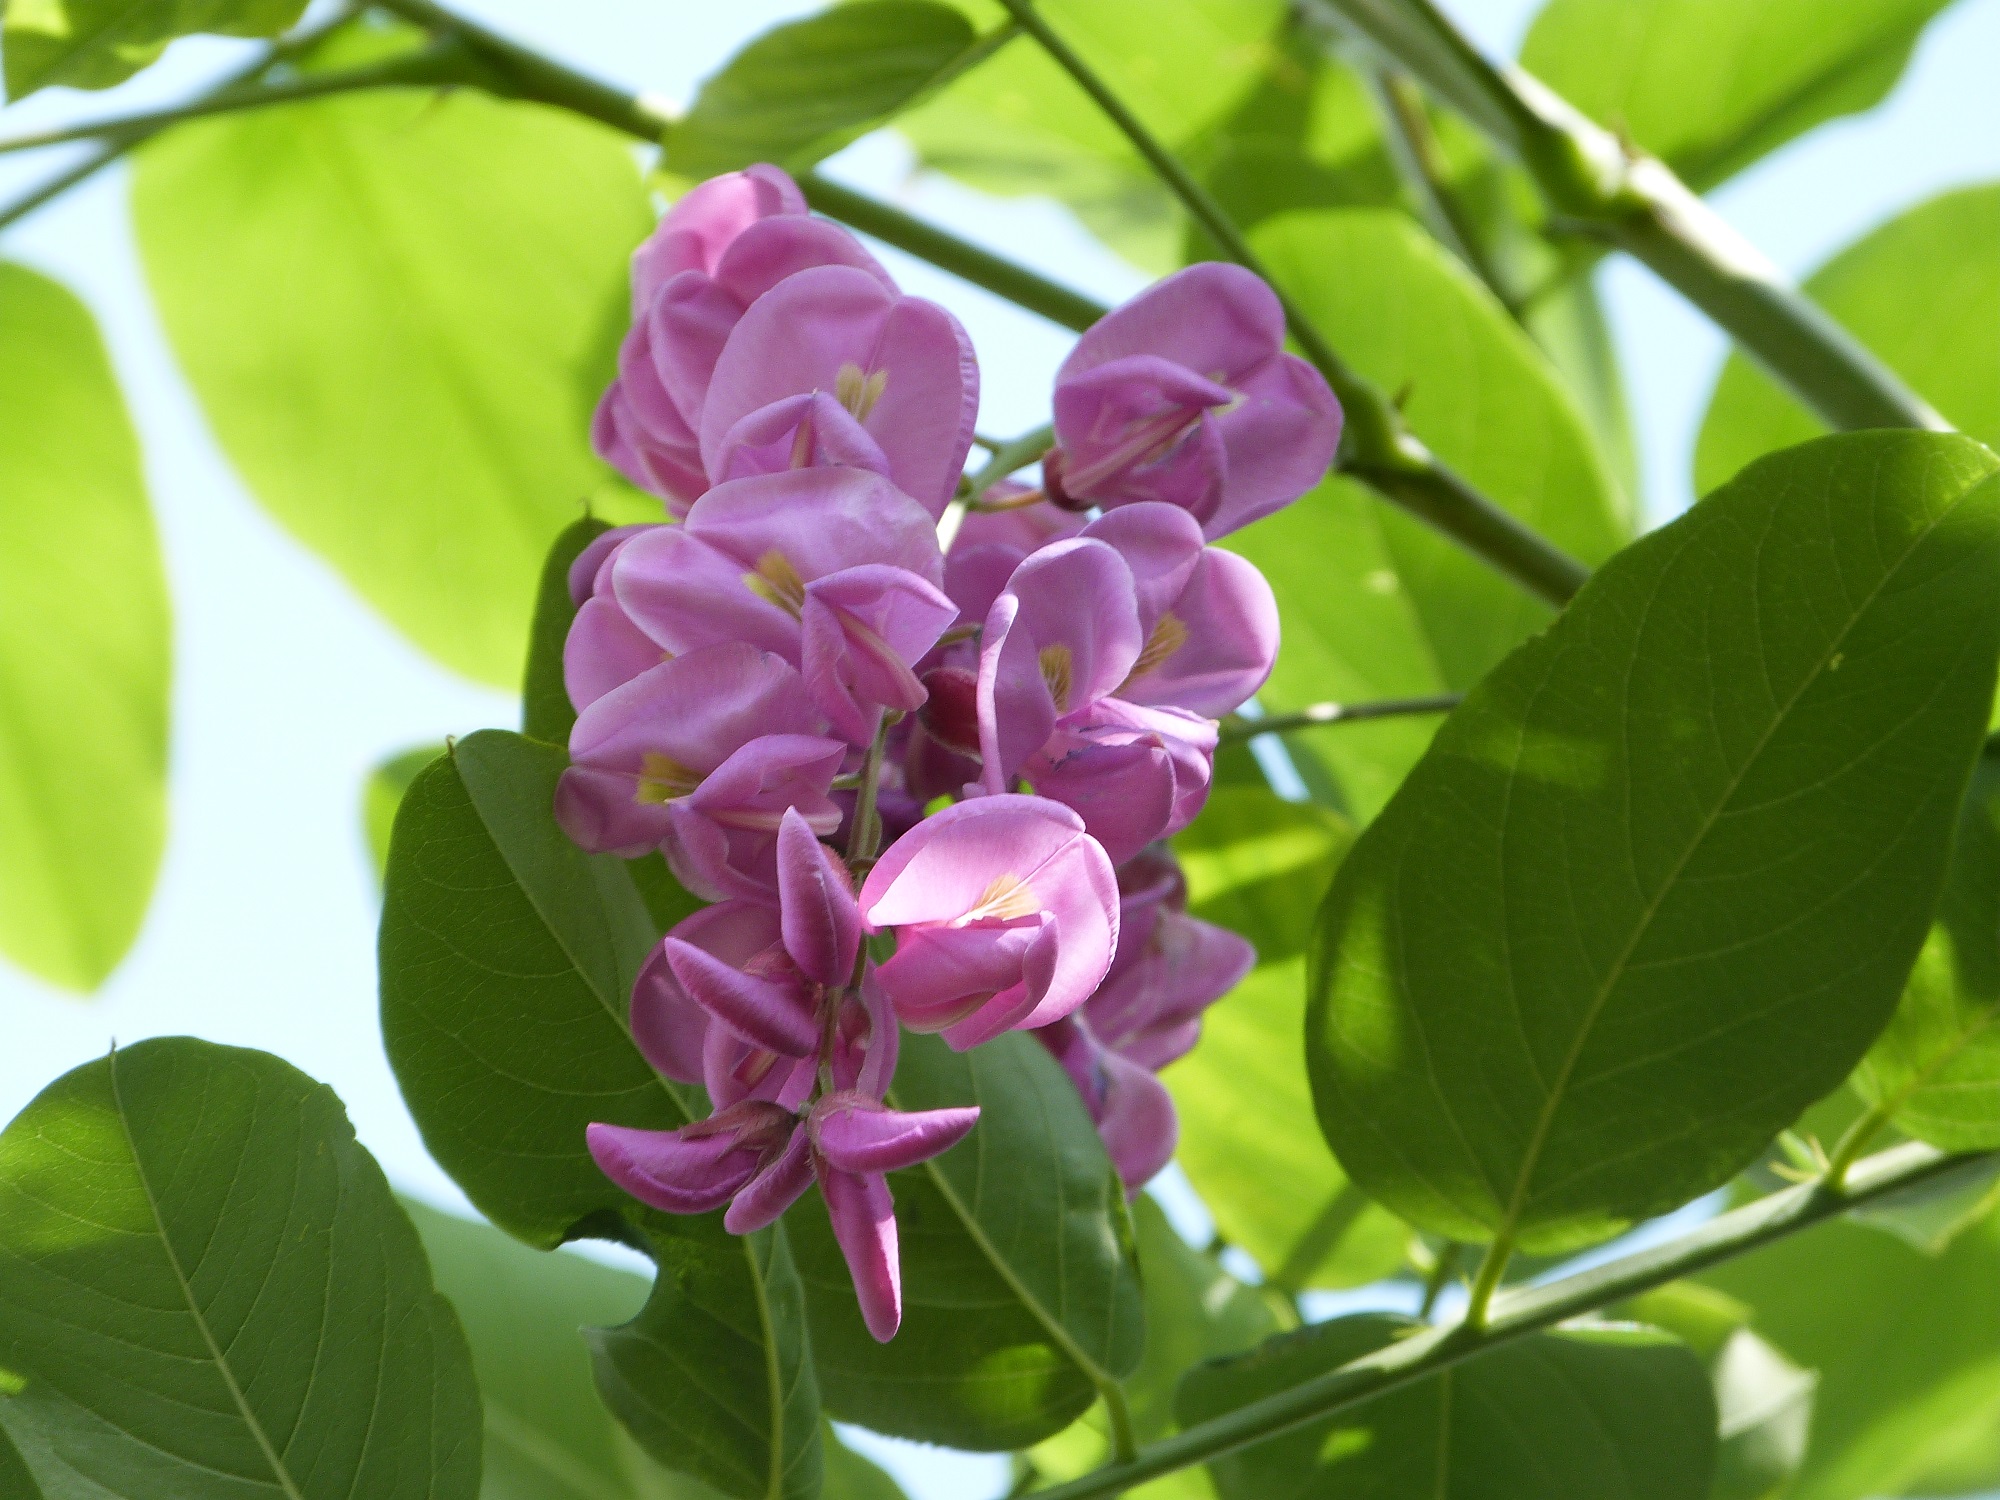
(1936, 1070)
(92, 44)
(546, 712)
(1711, 85)
(1923, 292)
(1657, 884)
(1611, 1413)
(206, 1289)
(405, 389)
(84, 647)
(1374, 603)
(1020, 1295)
(383, 793)
(548, 1437)
(1195, 1311)
(714, 1377)
(507, 960)
(1906, 1352)
(15, 1480)
(1018, 124)
(1259, 866)
(803, 90)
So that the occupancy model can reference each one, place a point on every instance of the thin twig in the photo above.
(1236, 729)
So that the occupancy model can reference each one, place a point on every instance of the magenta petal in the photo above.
(818, 521)
(822, 922)
(1162, 546)
(864, 1224)
(686, 594)
(1025, 1004)
(856, 1134)
(1280, 439)
(1138, 429)
(1122, 783)
(583, 571)
(865, 1051)
(705, 220)
(669, 1170)
(1212, 317)
(1216, 643)
(952, 862)
(1078, 596)
(1014, 705)
(938, 976)
(604, 650)
(668, 1023)
(1136, 1120)
(1184, 966)
(862, 631)
(811, 431)
(762, 1201)
(767, 1011)
(770, 251)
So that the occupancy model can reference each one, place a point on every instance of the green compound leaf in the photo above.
(1609, 1413)
(1374, 603)
(92, 44)
(1908, 1401)
(1260, 866)
(1936, 1070)
(1711, 85)
(84, 648)
(803, 90)
(1923, 292)
(507, 959)
(1657, 885)
(206, 1289)
(1020, 1292)
(405, 389)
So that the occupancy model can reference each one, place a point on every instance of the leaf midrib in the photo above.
(1507, 1230)
(236, 1395)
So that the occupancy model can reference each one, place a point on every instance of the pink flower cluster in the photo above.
(796, 659)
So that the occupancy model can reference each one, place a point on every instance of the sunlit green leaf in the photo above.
(84, 646)
(1260, 866)
(1019, 1289)
(1711, 85)
(1923, 292)
(804, 89)
(1936, 1070)
(92, 44)
(398, 309)
(1657, 885)
(206, 1289)
(1611, 1413)
(1903, 1343)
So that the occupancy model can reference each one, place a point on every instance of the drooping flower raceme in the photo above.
(795, 662)
(1186, 395)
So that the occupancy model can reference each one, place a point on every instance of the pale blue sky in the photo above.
(287, 690)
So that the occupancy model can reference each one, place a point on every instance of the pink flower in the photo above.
(1058, 647)
(900, 372)
(700, 757)
(719, 249)
(990, 545)
(1005, 913)
(1132, 1109)
(1185, 395)
(835, 570)
(603, 649)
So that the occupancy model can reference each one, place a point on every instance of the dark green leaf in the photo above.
(206, 1289)
(714, 1376)
(546, 712)
(1906, 1352)
(507, 960)
(1608, 1413)
(383, 793)
(1259, 865)
(1195, 1311)
(15, 1480)
(804, 89)
(1923, 292)
(84, 645)
(1711, 85)
(406, 388)
(92, 44)
(1020, 1296)
(1374, 603)
(1657, 884)
(1936, 1070)
(507, 963)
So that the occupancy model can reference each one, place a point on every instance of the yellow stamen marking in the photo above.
(776, 581)
(662, 779)
(1168, 637)
(1057, 665)
(858, 392)
(1008, 897)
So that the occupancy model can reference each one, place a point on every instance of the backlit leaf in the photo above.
(92, 44)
